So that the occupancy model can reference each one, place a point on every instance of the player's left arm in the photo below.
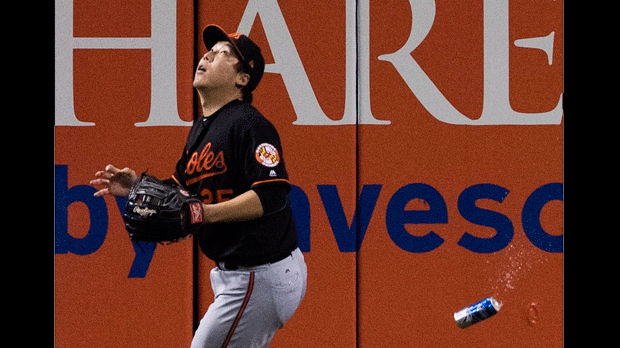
(259, 201)
(270, 186)
(246, 206)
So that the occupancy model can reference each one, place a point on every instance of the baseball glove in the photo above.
(160, 213)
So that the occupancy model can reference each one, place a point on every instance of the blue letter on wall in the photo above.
(65, 196)
(483, 217)
(530, 217)
(396, 217)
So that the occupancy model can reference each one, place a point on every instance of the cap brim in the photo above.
(213, 34)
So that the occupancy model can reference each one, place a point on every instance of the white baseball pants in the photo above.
(252, 303)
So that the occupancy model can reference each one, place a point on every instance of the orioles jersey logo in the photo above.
(206, 164)
(267, 155)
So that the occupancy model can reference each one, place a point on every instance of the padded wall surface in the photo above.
(424, 140)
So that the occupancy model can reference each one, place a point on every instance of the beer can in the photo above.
(476, 312)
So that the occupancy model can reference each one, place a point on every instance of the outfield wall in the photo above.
(424, 140)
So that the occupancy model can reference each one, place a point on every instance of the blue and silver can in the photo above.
(476, 312)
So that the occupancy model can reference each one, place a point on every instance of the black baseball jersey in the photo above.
(226, 154)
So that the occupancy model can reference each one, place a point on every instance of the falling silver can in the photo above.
(476, 312)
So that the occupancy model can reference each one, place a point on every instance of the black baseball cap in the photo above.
(246, 50)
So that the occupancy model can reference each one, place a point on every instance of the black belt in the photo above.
(233, 265)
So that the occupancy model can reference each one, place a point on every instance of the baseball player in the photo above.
(233, 160)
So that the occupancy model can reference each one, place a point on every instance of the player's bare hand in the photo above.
(116, 182)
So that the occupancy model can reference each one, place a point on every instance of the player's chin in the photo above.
(199, 80)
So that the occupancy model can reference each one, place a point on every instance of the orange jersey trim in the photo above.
(269, 181)
(176, 180)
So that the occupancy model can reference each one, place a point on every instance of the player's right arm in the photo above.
(116, 182)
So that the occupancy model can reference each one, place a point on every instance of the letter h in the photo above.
(162, 43)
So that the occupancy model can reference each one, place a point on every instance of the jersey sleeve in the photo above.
(262, 156)
(178, 177)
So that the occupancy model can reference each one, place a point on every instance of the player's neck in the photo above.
(211, 102)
